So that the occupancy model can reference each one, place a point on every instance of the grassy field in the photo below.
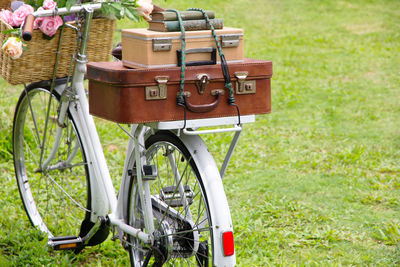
(314, 183)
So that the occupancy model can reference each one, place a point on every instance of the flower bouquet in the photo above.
(34, 61)
(49, 25)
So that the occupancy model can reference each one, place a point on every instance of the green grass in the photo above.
(314, 183)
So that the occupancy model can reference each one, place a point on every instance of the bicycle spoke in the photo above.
(200, 211)
(33, 117)
(36, 138)
(45, 127)
(68, 195)
(188, 231)
(76, 176)
(31, 152)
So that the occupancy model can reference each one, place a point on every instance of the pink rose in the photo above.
(50, 25)
(7, 16)
(49, 4)
(38, 21)
(20, 14)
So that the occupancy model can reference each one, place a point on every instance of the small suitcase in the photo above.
(126, 95)
(149, 49)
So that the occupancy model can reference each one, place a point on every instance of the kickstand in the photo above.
(147, 259)
(158, 256)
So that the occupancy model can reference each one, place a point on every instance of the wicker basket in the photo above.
(4, 4)
(37, 62)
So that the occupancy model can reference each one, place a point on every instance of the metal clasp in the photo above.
(201, 82)
(157, 92)
(231, 40)
(244, 86)
(162, 44)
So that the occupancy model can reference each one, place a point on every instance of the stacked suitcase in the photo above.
(143, 87)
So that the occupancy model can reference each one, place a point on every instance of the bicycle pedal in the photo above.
(149, 172)
(65, 242)
(171, 195)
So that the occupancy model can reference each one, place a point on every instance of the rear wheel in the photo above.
(56, 198)
(183, 234)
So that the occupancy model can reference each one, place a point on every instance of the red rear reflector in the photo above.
(229, 246)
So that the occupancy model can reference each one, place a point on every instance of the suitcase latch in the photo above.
(201, 82)
(244, 86)
(162, 44)
(231, 40)
(157, 92)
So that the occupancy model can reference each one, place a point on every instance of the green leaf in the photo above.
(104, 9)
(118, 15)
(11, 31)
(116, 6)
(70, 3)
(129, 3)
(121, 9)
(131, 13)
(39, 3)
(61, 3)
(33, 3)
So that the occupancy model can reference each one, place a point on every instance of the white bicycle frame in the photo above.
(104, 200)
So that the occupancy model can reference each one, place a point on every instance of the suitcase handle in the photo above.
(211, 50)
(205, 107)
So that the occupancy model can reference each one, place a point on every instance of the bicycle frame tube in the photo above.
(103, 195)
(143, 185)
(135, 148)
(104, 200)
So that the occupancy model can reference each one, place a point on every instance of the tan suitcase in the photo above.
(149, 49)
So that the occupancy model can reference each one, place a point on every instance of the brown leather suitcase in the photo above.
(126, 95)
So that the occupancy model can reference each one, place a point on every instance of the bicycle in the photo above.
(171, 206)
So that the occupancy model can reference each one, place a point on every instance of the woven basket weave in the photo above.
(4, 4)
(37, 62)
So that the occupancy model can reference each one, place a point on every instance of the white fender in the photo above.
(217, 202)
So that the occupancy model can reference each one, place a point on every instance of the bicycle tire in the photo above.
(183, 248)
(56, 200)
